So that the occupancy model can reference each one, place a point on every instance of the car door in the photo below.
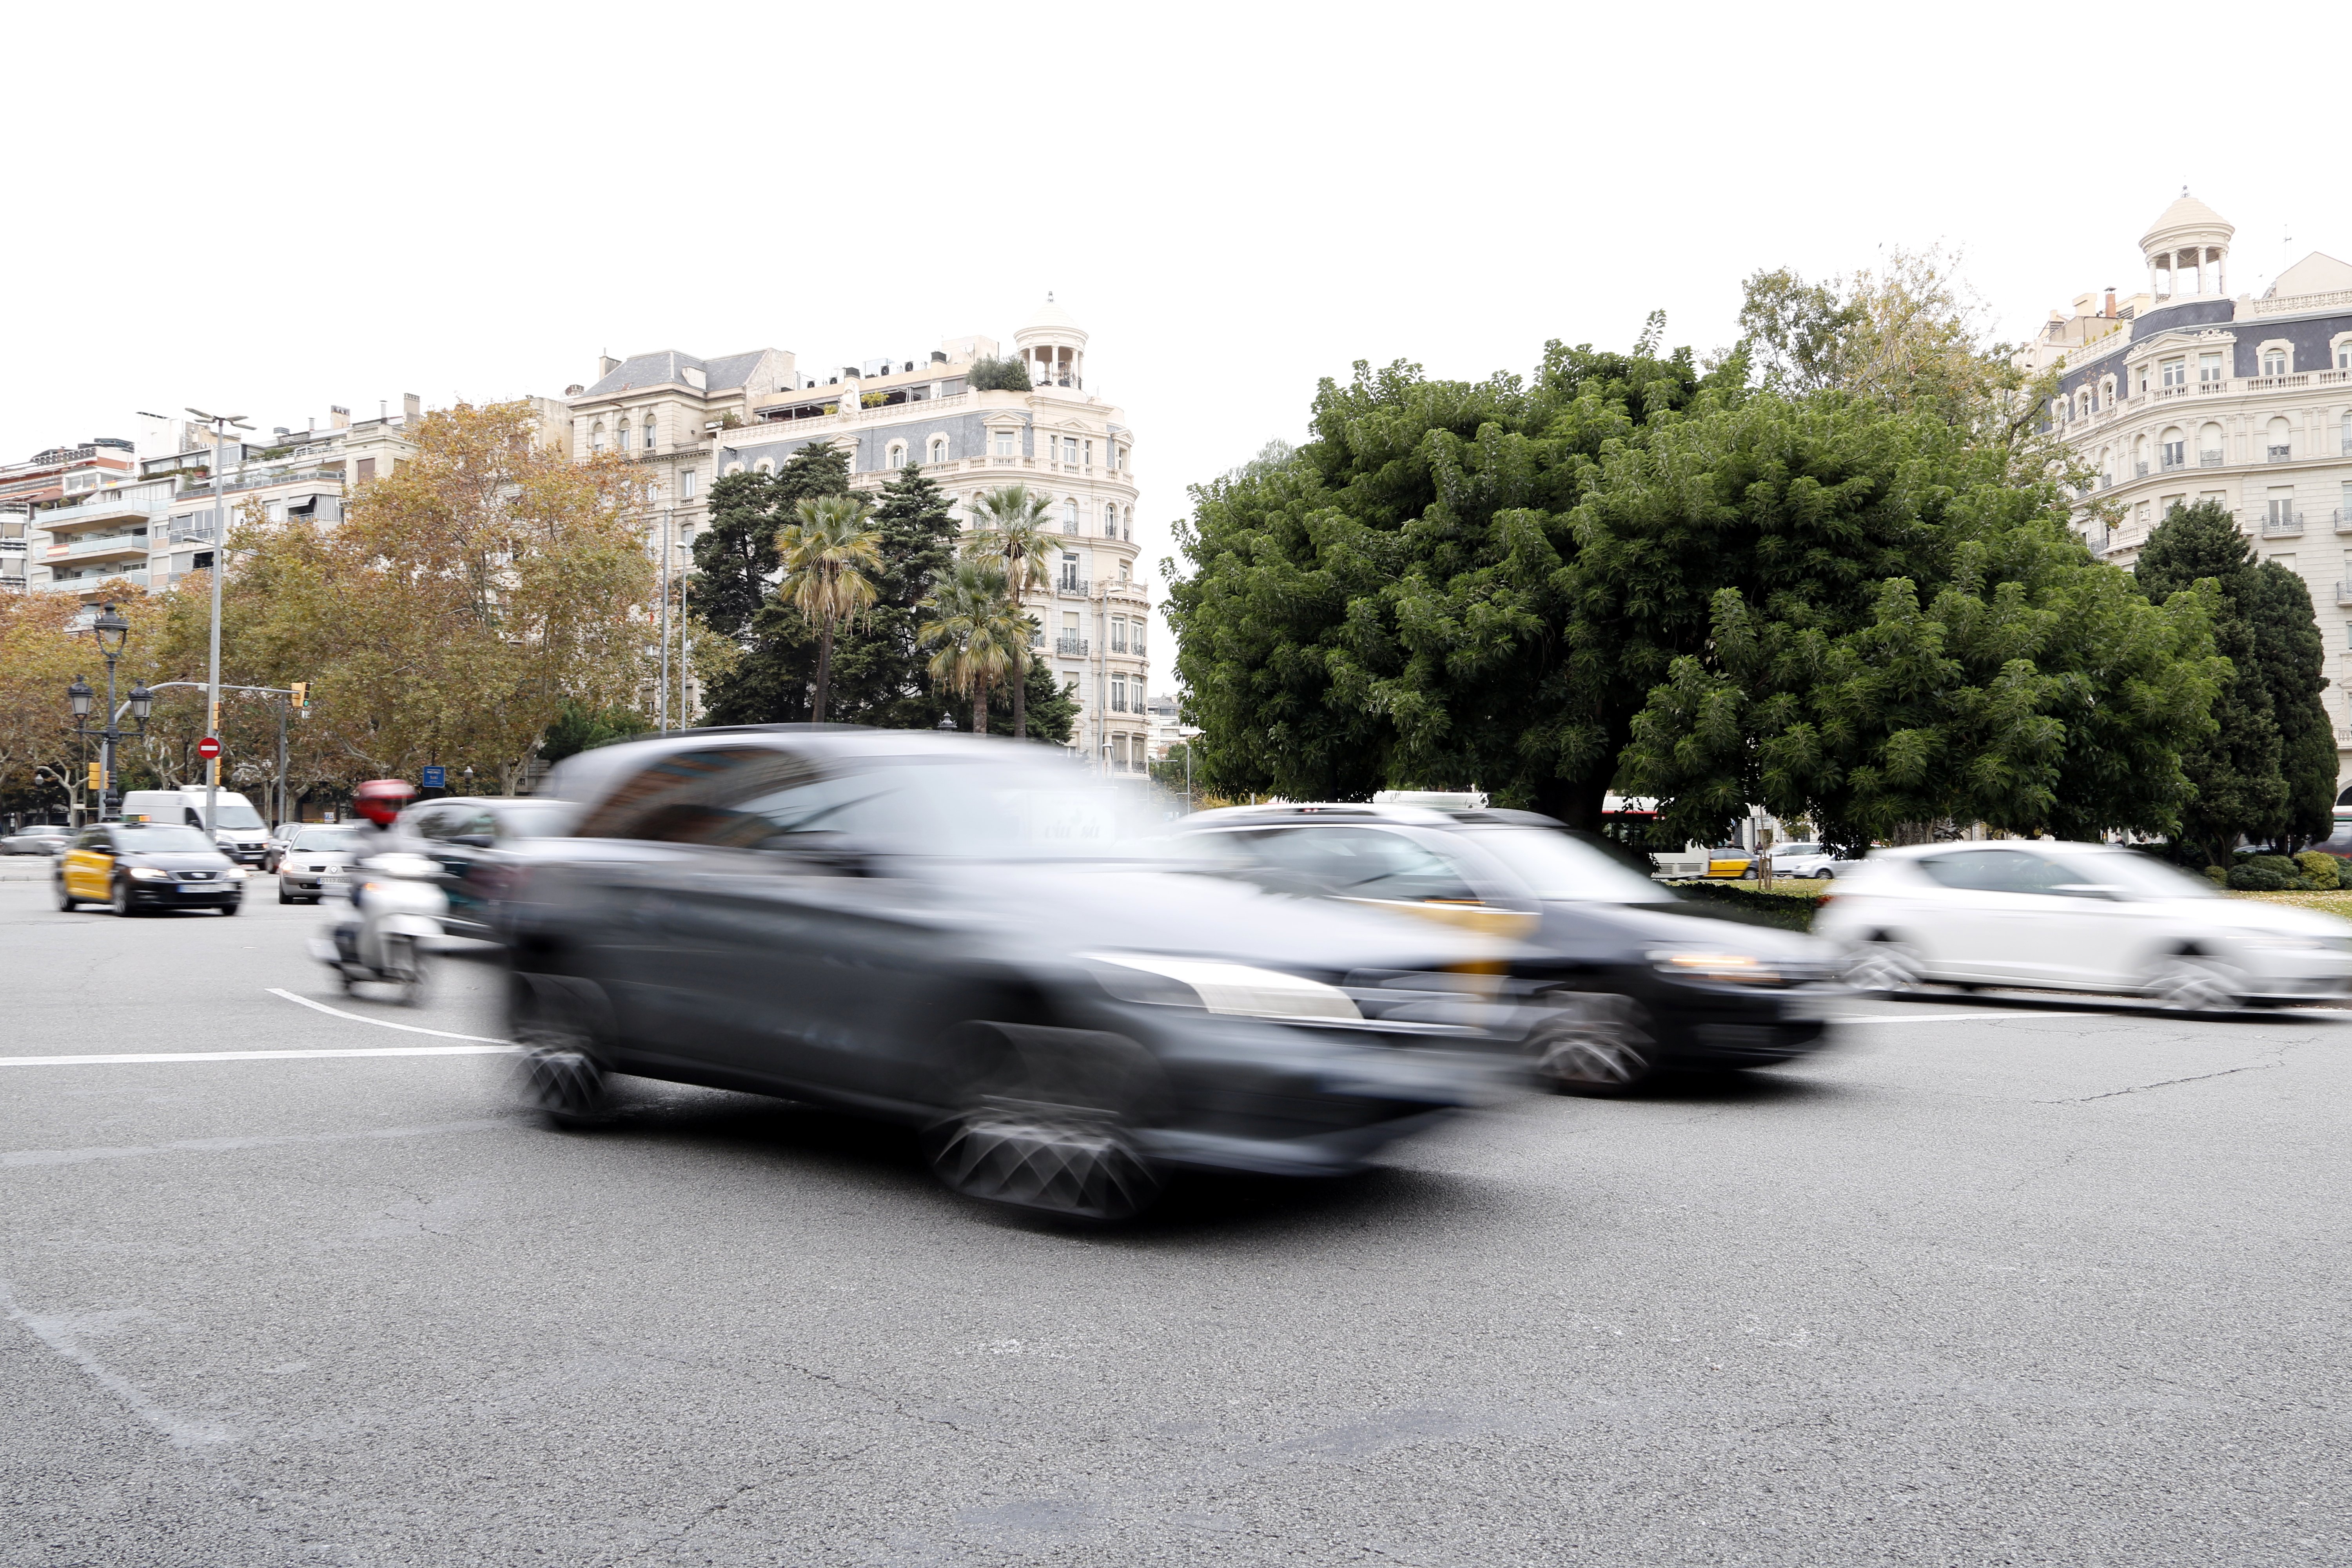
(89, 869)
(2000, 918)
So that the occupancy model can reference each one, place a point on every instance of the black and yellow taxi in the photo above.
(138, 867)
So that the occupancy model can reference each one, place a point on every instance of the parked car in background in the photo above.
(311, 864)
(478, 842)
(979, 939)
(38, 838)
(2077, 917)
(1816, 860)
(137, 868)
(1613, 978)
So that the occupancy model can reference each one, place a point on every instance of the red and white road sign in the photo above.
(208, 748)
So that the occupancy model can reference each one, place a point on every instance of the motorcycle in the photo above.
(399, 906)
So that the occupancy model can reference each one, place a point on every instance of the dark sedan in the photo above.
(1615, 978)
(136, 868)
(965, 935)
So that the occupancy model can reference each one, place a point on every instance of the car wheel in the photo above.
(65, 900)
(122, 904)
(283, 896)
(2187, 984)
(1825, 874)
(559, 1066)
(1885, 969)
(232, 906)
(1049, 1126)
(1594, 1044)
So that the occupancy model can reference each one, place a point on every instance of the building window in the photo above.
(1119, 694)
(2209, 446)
(2208, 369)
(763, 467)
(939, 448)
(1122, 570)
(1118, 634)
(2343, 354)
(596, 438)
(686, 484)
(2273, 361)
(1110, 519)
(2174, 372)
(1087, 454)
(1118, 456)
(2279, 516)
(1070, 450)
(623, 434)
(1069, 516)
(2175, 449)
(649, 432)
(1070, 573)
(897, 456)
(364, 469)
(1004, 439)
(2280, 446)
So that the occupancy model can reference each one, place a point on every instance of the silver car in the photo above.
(41, 839)
(311, 862)
(2077, 917)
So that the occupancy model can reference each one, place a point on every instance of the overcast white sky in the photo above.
(269, 210)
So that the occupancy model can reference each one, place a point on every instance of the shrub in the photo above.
(2268, 874)
(2219, 876)
(2322, 870)
(1006, 374)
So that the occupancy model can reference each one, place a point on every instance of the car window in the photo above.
(98, 839)
(323, 839)
(533, 818)
(433, 822)
(1998, 871)
(1560, 865)
(1360, 863)
(696, 797)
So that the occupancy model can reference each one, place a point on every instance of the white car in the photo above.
(312, 862)
(2077, 917)
(1809, 861)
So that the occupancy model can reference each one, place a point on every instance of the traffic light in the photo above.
(301, 697)
(98, 778)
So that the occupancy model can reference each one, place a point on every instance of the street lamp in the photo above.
(221, 424)
(112, 631)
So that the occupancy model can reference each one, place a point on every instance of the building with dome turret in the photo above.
(1060, 438)
(2183, 393)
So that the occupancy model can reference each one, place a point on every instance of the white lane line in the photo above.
(385, 1023)
(57, 1334)
(1987, 1017)
(477, 1045)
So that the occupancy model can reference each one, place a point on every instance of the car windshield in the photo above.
(1554, 864)
(147, 838)
(2140, 875)
(237, 815)
(323, 839)
(536, 818)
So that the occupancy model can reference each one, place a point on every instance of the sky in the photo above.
(268, 211)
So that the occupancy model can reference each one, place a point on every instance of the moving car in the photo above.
(1730, 861)
(972, 937)
(37, 838)
(478, 842)
(1613, 977)
(137, 867)
(311, 862)
(242, 835)
(2077, 916)
(1816, 860)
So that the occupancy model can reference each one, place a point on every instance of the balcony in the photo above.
(2279, 454)
(2342, 520)
(1071, 586)
(111, 509)
(104, 547)
(95, 582)
(1069, 648)
(2284, 525)
(2208, 460)
(2142, 470)
(2344, 593)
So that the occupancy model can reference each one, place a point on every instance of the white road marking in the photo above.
(57, 1334)
(1987, 1016)
(385, 1023)
(477, 1046)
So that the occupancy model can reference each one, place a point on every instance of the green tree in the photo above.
(734, 556)
(1009, 374)
(1010, 528)
(828, 553)
(972, 633)
(732, 590)
(579, 728)
(2269, 770)
(879, 671)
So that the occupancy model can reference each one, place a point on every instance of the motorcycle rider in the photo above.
(377, 804)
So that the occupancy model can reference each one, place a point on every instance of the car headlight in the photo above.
(1236, 988)
(237, 873)
(147, 874)
(1701, 963)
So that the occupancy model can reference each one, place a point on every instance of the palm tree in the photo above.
(828, 553)
(974, 631)
(1009, 526)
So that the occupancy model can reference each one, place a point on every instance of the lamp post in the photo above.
(221, 424)
(111, 632)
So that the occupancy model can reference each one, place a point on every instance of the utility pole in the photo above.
(220, 424)
(661, 697)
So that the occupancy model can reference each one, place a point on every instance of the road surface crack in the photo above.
(2277, 1060)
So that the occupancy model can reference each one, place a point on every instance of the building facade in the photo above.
(2183, 393)
(748, 413)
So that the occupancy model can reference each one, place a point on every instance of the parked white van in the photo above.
(241, 833)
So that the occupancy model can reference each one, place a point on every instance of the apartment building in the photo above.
(47, 479)
(1060, 438)
(2182, 392)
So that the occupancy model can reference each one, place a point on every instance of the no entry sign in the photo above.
(208, 748)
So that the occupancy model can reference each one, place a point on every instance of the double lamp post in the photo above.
(112, 631)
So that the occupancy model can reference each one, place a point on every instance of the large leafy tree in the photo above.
(1009, 526)
(828, 553)
(2269, 768)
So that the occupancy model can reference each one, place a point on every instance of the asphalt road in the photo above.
(1987, 1285)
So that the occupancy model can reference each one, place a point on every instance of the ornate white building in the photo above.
(1060, 438)
(2183, 394)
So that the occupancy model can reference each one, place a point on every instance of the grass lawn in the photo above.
(2338, 903)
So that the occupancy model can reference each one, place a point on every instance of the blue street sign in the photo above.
(437, 778)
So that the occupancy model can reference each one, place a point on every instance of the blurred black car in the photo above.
(1616, 978)
(475, 840)
(137, 868)
(962, 934)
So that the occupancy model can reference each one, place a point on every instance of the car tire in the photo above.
(560, 1066)
(1825, 874)
(1884, 968)
(123, 905)
(1595, 1044)
(1047, 1126)
(67, 901)
(283, 896)
(2184, 982)
(234, 906)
